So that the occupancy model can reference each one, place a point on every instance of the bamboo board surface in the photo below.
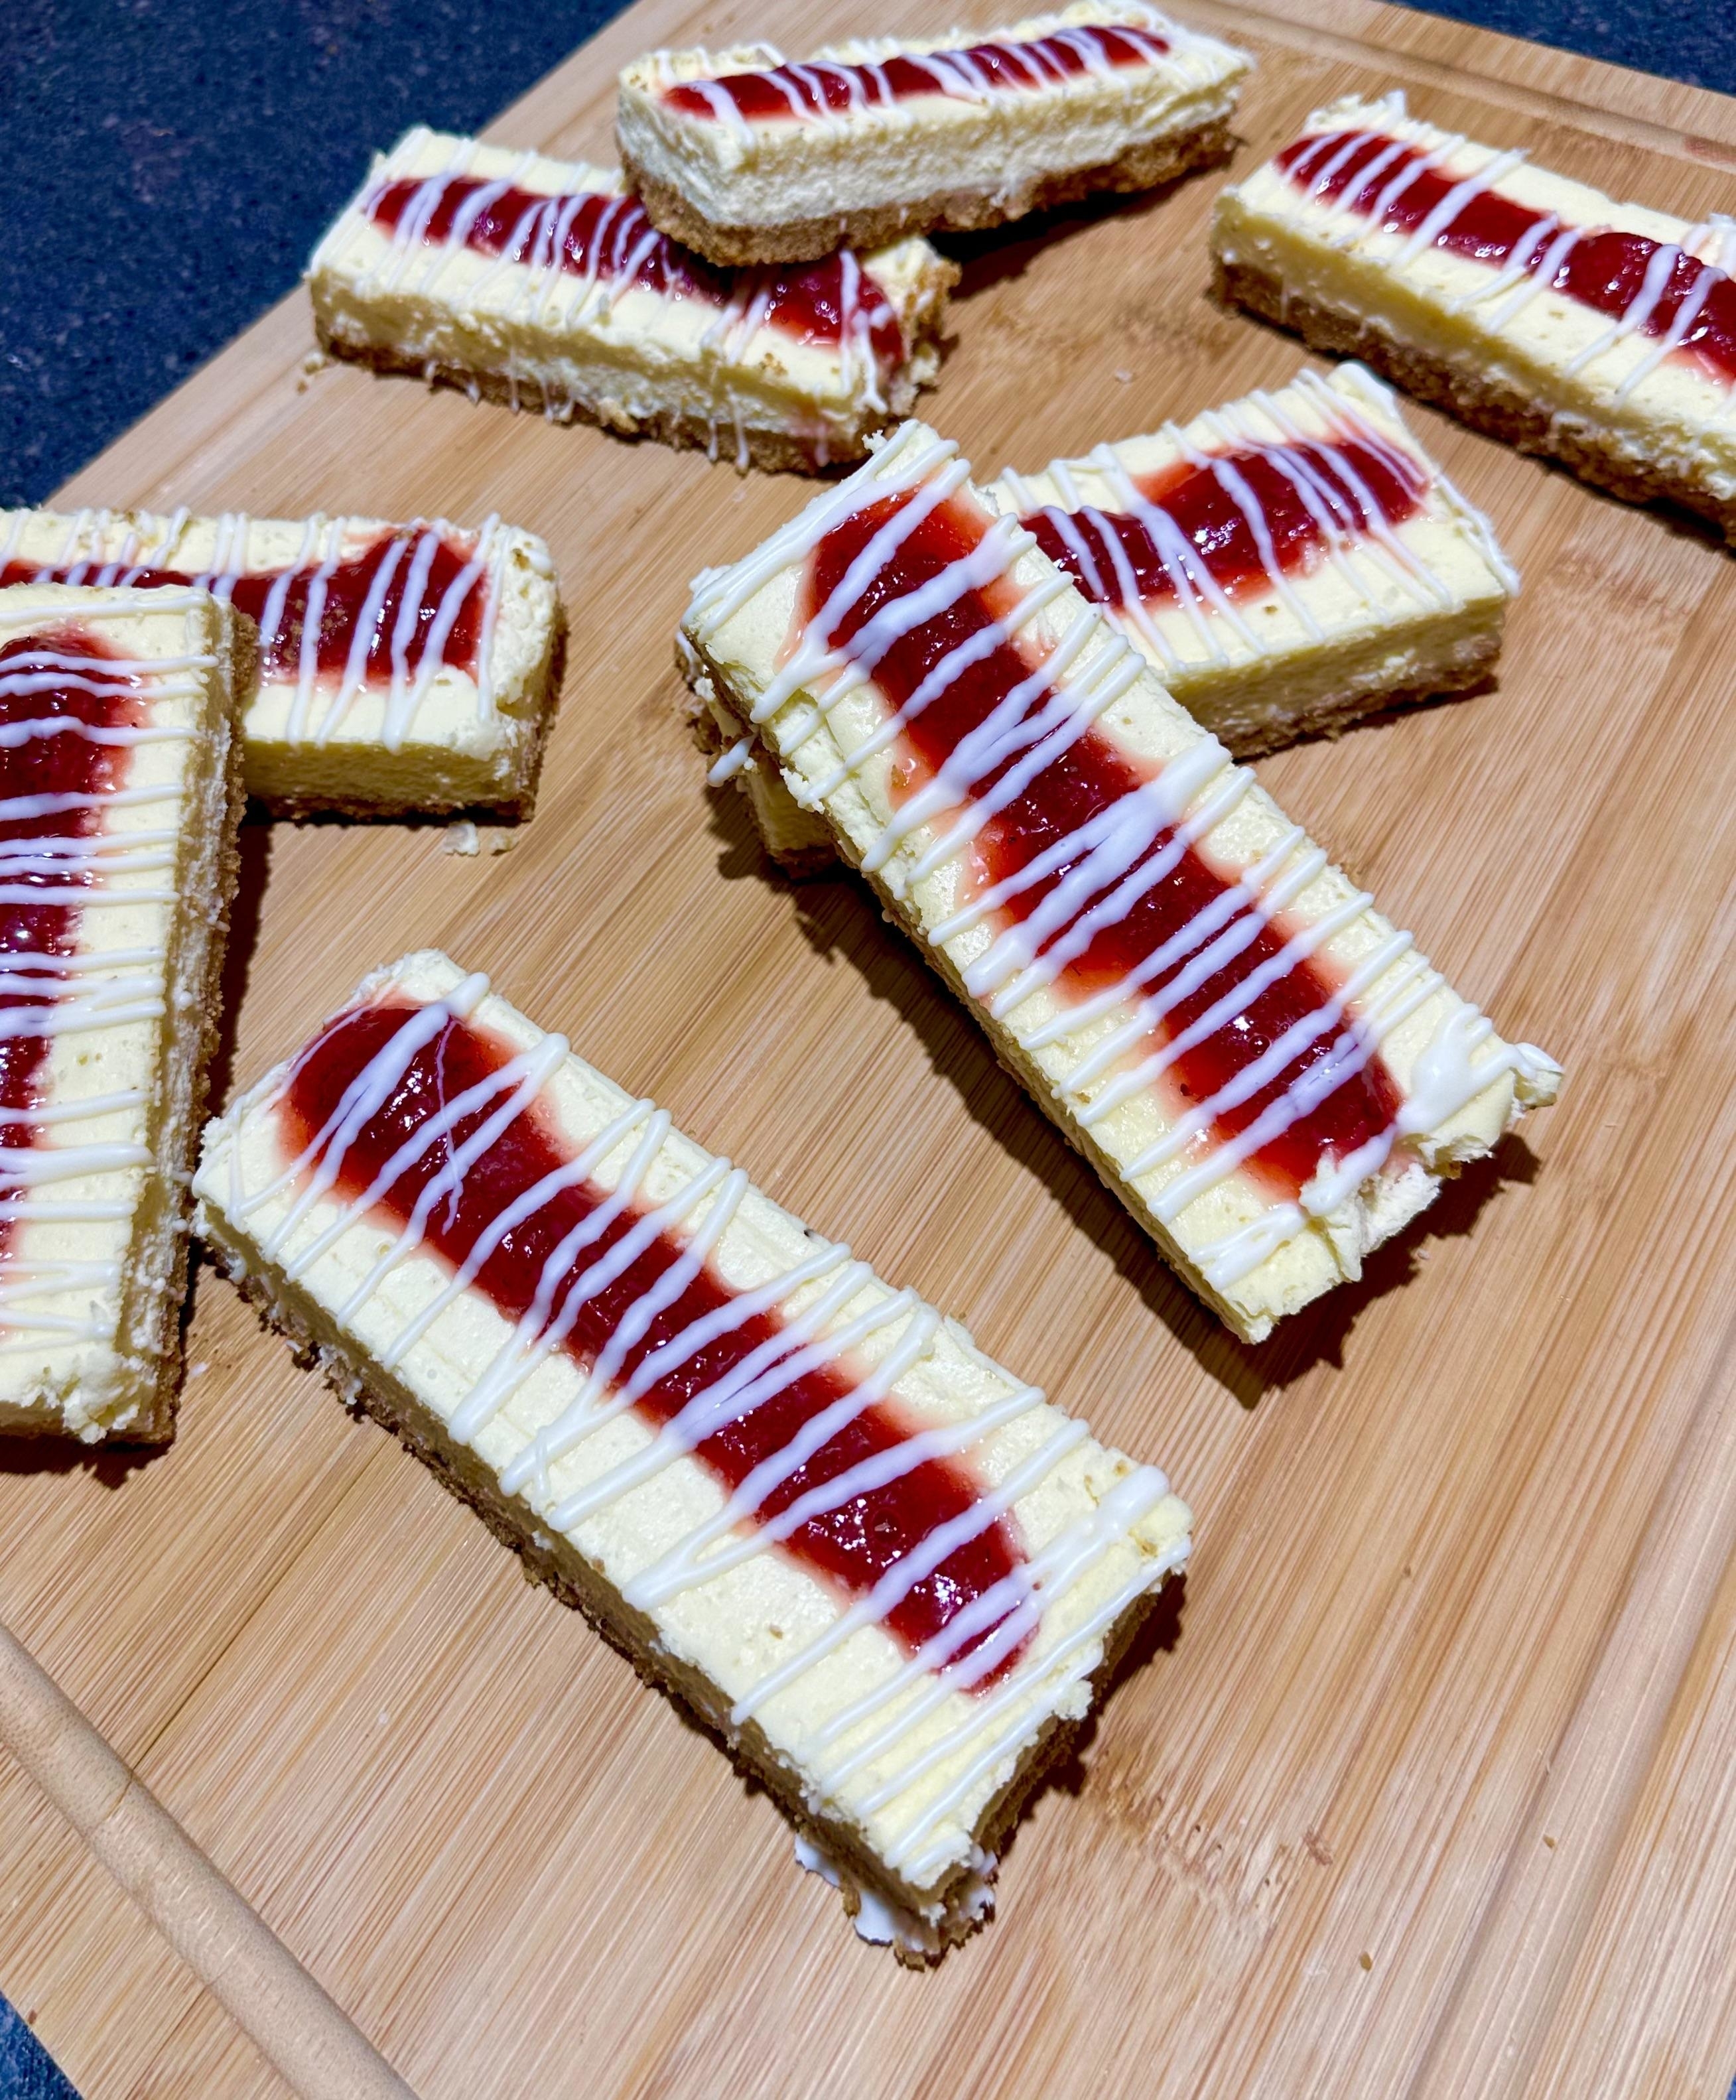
(1427, 1789)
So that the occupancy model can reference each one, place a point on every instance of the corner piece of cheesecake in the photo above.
(1259, 1065)
(886, 1571)
(1535, 308)
(403, 668)
(750, 157)
(120, 791)
(541, 283)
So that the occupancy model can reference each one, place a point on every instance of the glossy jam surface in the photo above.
(52, 778)
(823, 87)
(1051, 809)
(1619, 274)
(401, 581)
(852, 1547)
(1246, 519)
(608, 239)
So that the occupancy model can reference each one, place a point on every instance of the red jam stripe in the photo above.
(823, 87)
(1087, 780)
(609, 240)
(422, 569)
(51, 778)
(1644, 284)
(853, 1547)
(1247, 529)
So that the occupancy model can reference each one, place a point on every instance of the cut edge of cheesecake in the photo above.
(1147, 165)
(920, 1921)
(147, 1347)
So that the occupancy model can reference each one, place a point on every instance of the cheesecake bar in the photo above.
(747, 156)
(542, 283)
(1266, 1074)
(885, 1570)
(1289, 563)
(120, 791)
(1538, 309)
(402, 667)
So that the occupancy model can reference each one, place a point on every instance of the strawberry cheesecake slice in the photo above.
(751, 157)
(402, 667)
(1264, 1070)
(884, 1569)
(1535, 308)
(542, 283)
(120, 791)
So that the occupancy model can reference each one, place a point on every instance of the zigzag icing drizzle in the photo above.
(1264, 502)
(569, 260)
(1680, 296)
(834, 89)
(72, 713)
(354, 609)
(414, 1114)
(1264, 1056)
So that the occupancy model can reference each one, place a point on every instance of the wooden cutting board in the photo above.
(1427, 1791)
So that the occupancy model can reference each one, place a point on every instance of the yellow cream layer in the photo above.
(629, 356)
(97, 1202)
(1665, 411)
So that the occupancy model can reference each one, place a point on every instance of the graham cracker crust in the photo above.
(558, 1567)
(1337, 712)
(801, 863)
(1142, 167)
(771, 452)
(1498, 410)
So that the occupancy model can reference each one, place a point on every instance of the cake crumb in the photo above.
(1550, 1843)
(1365, 1961)
(1125, 376)
(461, 838)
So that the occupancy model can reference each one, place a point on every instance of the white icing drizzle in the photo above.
(1364, 548)
(114, 549)
(89, 989)
(739, 341)
(1535, 263)
(1111, 861)
(829, 1307)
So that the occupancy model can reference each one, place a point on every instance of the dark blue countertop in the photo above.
(229, 136)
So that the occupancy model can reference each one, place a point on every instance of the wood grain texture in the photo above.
(1429, 1791)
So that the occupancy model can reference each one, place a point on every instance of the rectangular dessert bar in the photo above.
(750, 157)
(1268, 1075)
(1535, 308)
(887, 1571)
(402, 667)
(120, 791)
(1289, 563)
(541, 283)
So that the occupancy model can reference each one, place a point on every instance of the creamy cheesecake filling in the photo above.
(1531, 305)
(606, 244)
(790, 92)
(400, 665)
(1210, 1023)
(1644, 286)
(117, 805)
(539, 282)
(883, 1567)
(749, 155)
